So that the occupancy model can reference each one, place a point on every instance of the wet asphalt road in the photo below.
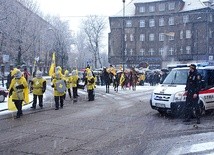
(115, 123)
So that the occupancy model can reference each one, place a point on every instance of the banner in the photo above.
(53, 65)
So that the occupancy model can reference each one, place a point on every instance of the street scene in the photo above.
(128, 77)
(116, 123)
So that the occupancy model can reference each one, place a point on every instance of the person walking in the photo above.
(26, 74)
(90, 83)
(68, 81)
(59, 86)
(17, 90)
(9, 77)
(38, 85)
(74, 84)
(193, 86)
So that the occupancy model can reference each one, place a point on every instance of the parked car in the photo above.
(3, 94)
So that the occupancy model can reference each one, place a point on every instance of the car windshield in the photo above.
(177, 77)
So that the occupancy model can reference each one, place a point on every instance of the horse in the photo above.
(107, 79)
(116, 81)
(133, 78)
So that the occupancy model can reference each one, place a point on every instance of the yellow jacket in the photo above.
(142, 77)
(19, 94)
(56, 93)
(68, 80)
(122, 78)
(74, 80)
(90, 82)
(39, 86)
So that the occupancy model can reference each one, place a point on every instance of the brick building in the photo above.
(162, 32)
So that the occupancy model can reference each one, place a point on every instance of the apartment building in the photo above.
(161, 32)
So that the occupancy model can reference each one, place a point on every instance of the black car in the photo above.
(3, 94)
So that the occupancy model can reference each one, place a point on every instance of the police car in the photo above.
(169, 97)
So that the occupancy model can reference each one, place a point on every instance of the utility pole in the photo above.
(123, 35)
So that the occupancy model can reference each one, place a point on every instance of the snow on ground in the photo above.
(4, 105)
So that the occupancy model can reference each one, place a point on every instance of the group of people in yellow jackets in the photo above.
(61, 83)
(19, 90)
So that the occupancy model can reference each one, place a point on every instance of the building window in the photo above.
(211, 18)
(142, 9)
(161, 51)
(142, 23)
(151, 8)
(188, 34)
(161, 22)
(171, 36)
(188, 50)
(131, 37)
(151, 51)
(142, 37)
(128, 23)
(181, 50)
(161, 36)
(142, 51)
(171, 21)
(162, 7)
(171, 51)
(181, 34)
(210, 49)
(151, 37)
(185, 18)
(151, 23)
(125, 37)
(171, 5)
(131, 52)
(210, 33)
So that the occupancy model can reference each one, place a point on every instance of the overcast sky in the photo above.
(73, 10)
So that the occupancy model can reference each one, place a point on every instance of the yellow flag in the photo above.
(53, 65)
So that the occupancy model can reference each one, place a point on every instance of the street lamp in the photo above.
(207, 38)
(123, 35)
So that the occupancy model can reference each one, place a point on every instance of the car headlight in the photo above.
(180, 96)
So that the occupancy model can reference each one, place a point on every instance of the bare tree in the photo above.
(82, 48)
(94, 27)
(62, 39)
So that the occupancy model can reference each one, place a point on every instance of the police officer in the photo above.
(192, 91)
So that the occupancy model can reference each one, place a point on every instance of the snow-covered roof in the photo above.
(189, 5)
(193, 5)
(145, 1)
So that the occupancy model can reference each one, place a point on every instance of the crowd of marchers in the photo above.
(19, 85)
(129, 78)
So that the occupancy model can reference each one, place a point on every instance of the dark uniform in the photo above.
(193, 86)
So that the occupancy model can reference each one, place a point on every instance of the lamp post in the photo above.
(207, 38)
(123, 35)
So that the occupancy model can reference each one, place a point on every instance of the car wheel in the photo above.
(2, 98)
(202, 108)
(162, 112)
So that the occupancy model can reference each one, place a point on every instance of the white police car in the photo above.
(169, 97)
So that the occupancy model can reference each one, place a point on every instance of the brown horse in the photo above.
(133, 78)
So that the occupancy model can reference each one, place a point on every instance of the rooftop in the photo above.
(189, 5)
